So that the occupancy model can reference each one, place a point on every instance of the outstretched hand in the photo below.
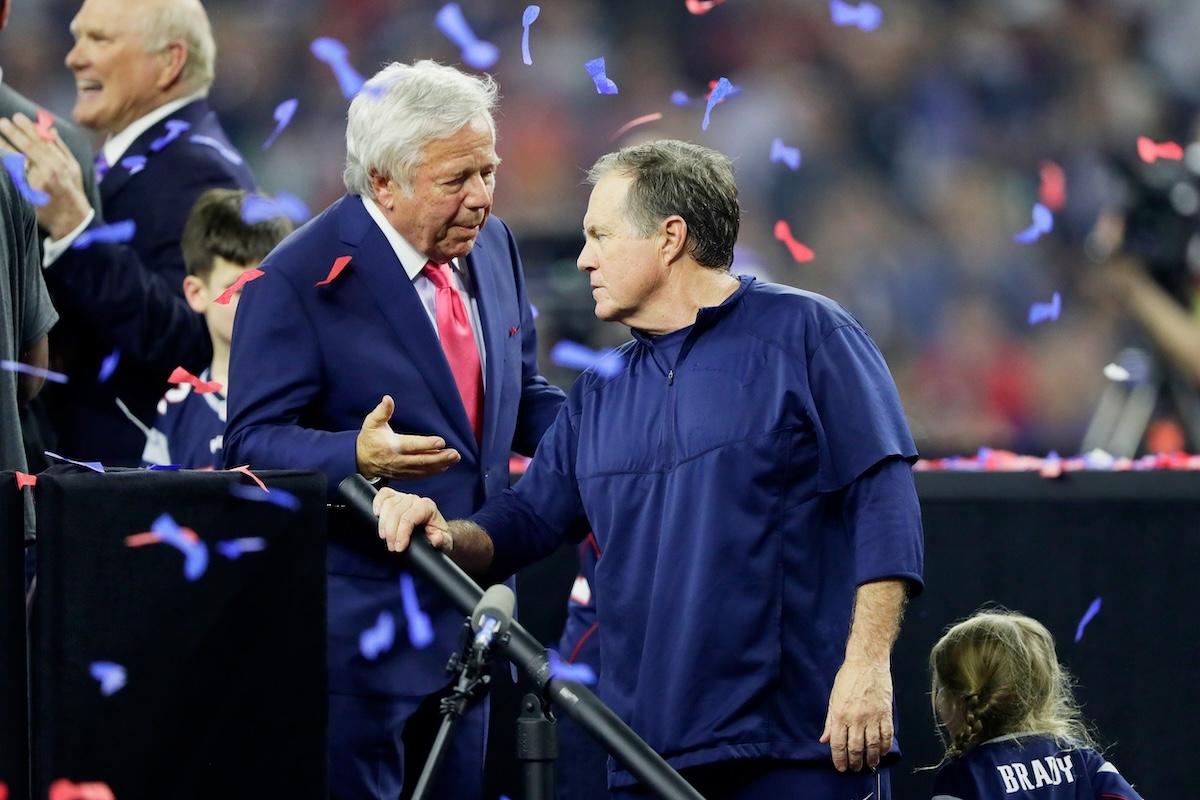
(383, 453)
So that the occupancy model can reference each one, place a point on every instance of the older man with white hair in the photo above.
(142, 72)
(392, 337)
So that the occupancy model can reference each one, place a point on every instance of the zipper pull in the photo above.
(670, 377)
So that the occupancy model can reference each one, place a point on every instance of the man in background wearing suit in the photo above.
(401, 307)
(142, 71)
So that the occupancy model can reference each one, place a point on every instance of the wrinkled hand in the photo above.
(50, 168)
(399, 513)
(858, 726)
(383, 453)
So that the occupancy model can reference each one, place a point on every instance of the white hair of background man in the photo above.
(403, 108)
(170, 20)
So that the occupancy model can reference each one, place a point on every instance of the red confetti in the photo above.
(45, 124)
(338, 265)
(1150, 151)
(236, 286)
(799, 252)
(245, 470)
(23, 480)
(633, 123)
(150, 537)
(1053, 192)
(181, 375)
(63, 789)
(698, 7)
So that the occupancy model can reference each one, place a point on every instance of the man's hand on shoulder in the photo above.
(382, 453)
(399, 513)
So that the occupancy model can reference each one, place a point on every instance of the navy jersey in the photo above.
(189, 429)
(1030, 767)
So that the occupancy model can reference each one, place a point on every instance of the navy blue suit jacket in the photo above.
(131, 296)
(309, 363)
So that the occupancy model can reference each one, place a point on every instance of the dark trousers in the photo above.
(378, 746)
(777, 780)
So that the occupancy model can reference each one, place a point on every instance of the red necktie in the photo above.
(458, 342)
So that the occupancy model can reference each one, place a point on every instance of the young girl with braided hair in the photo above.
(1015, 730)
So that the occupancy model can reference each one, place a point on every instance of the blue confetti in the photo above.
(1043, 222)
(109, 365)
(165, 467)
(1088, 616)
(175, 129)
(579, 673)
(111, 676)
(680, 98)
(94, 466)
(276, 497)
(785, 155)
(334, 53)
(604, 84)
(607, 364)
(28, 369)
(722, 90)
(283, 115)
(230, 155)
(134, 164)
(15, 164)
(527, 19)
(116, 233)
(258, 208)
(232, 548)
(1043, 312)
(378, 639)
(420, 629)
(866, 17)
(475, 52)
(195, 554)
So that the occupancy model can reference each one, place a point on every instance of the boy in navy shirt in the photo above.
(1015, 729)
(219, 246)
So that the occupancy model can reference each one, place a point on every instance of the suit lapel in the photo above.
(376, 263)
(483, 276)
(117, 175)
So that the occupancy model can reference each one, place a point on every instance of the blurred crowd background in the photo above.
(921, 144)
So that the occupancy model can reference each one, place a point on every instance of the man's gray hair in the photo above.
(402, 109)
(671, 177)
(185, 20)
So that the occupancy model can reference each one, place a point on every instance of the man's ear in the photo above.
(384, 190)
(174, 57)
(195, 291)
(673, 233)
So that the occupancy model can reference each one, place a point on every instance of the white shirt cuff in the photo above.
(52, 248)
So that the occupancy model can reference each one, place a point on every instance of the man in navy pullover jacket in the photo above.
(746, 474)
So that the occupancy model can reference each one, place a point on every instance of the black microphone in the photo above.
(492, 615)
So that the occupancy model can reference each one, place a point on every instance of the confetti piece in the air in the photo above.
(607, 364)
(633, 123)
(134, 164)
(680, 98)
(236, 286)
(533, 312)
(1043, 223)
(15, 164)
(110, 675)
(45, 125)
(865, 16)
(783, 232)
(785, 155)
(117, 233)
(339, 264)
(334, 53)
(94, 466)
(283, 115)
(258, 208)
(1088, 616)
(18, 366)
(276, 497)
(527, 19)
(699, 7)
(63, 789)
(604, 84)
(232, 548)
(229, 154)
(420, 629)
(1117, 373)
(25, 479)
(475, 52)
(1151, 151)
(175, 129)
(150, 537)
(245, 470)
(723, 89)
(1052, 466)
(195, 553)
(563, 670)
(1046, 312)
(181, 375)
(379, 638)
(109, 365)
(1053, 189)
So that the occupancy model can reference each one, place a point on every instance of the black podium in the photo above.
(224, 684)
(14, 719)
